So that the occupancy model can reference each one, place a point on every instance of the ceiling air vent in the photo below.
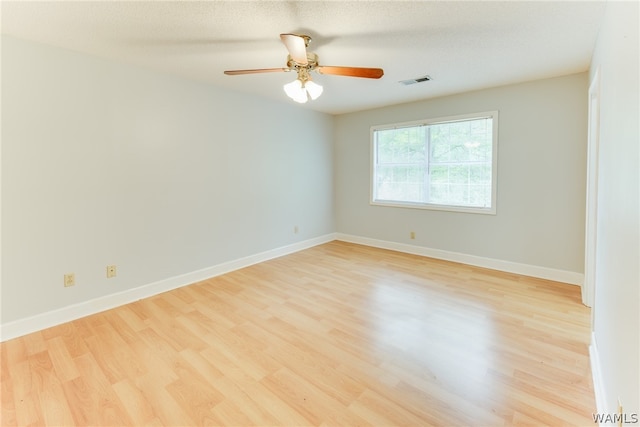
(414, 81)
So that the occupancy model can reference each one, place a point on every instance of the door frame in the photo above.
(591, 219)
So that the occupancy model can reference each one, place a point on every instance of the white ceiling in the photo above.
(463, 46)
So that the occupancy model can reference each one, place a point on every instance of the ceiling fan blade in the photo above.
(369, 73)
(256, 71)
(297, 47)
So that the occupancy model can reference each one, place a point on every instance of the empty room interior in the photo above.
(320, 213)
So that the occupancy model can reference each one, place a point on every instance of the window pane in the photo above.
(458, 194)
(405, 145)
(447, 163)
(459, 174)
(439, 193)
(480, 174)
(439, 144)
(480, 195)
(459, 152)
(439, 174)
(400, 183)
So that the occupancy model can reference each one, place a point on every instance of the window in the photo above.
(447, 163)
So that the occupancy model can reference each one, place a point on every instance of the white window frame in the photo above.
(491, 210)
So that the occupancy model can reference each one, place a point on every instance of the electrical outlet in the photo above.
(412, 235)
(111, 271)
(295, 229)
(69, 280)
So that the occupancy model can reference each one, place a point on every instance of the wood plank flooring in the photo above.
(336, 335)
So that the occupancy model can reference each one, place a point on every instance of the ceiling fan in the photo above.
(303, 63)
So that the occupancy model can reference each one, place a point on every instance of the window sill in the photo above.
(430, 206)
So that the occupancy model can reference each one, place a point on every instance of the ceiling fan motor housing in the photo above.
(312, 62)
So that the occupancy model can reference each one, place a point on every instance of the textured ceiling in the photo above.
(463, 46)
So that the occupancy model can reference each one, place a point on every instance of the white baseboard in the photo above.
(48, 319)
(598, 384)
(563, 276)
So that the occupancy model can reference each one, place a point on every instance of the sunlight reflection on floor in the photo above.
(411, 328)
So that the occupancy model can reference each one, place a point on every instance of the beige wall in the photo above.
(104, 163)
(541, 177)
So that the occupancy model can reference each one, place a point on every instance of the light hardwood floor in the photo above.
(336, 335)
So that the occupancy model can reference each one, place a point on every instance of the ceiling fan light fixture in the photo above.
(296, 91)
(313, 89)
(300, 91)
